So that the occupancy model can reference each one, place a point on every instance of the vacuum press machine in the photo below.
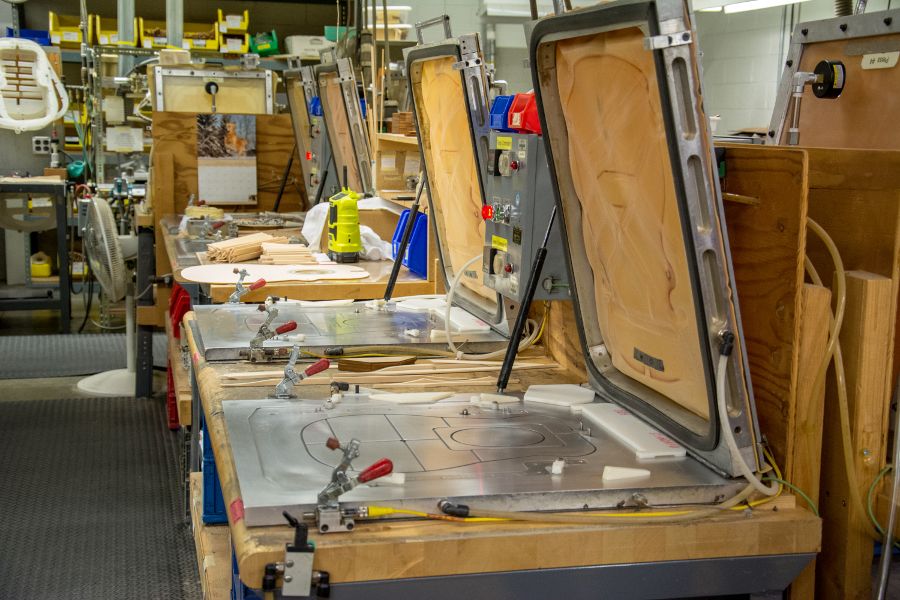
(650, 277)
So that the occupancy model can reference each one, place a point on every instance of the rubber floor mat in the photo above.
(91, 502)
(58, 355)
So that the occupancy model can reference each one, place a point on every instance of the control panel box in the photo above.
(518, 201)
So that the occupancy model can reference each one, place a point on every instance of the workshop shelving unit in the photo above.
(62, 301)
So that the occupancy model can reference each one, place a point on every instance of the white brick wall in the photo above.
(743, 57)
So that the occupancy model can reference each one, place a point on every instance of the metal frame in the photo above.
(64, 303)
(466, 51)
(669, 36)
(304, 77)
(717, 577)
(853, 27)
(343, 69)
(161, 72)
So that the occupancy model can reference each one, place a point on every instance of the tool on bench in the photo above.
(329, 516)
(240, 290)
(344, 244)
(211, 230)
(292, 377)
(257, 352)
(404, 241)
(522, 317)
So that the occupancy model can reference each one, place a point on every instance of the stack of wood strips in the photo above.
(241, 249)
(402, 123)
(286, 254)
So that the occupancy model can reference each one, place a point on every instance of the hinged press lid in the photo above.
(449, 104)
(344, 124)
(630, 153)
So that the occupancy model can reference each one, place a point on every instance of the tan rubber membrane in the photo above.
(452, 168)
(631, 225)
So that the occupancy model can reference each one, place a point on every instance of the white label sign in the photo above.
(71, 36)
(882, 60)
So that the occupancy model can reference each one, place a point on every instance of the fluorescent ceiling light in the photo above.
(757, 4)
(711, 9)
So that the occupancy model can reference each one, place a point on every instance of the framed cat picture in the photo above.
(226, 159)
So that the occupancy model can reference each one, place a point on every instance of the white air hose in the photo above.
(728, 434)
(460, 355)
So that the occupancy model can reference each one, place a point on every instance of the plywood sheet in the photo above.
(452, 169)
(631, 223)
(224, 274)
(176, 134)
(768, 241)
(339, 129)
(865, 114)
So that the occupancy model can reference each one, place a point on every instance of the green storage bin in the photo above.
(264, 44)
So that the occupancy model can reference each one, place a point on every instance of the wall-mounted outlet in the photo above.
(40, 144)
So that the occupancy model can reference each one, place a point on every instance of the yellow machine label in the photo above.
(504, 143)
(499, 243)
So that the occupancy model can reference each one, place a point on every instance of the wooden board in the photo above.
(180, 376)
(860, 117)
(768, 240)
(855, 196)
(630, 213)
(844, 567)
(805, 460)
(212, 544)
(176, 134)
(453, 184)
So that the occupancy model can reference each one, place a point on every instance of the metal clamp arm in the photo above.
(422, 25)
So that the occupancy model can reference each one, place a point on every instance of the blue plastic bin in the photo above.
(35, 35)
(416, 257)
(500, 111)
(315, 107)
(213, 501)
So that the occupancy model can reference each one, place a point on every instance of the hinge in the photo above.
(659, 42)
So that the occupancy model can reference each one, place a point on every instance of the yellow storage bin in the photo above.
(106, 32)
(65, 30)
(40, 265)
(196, 36)
(233, 23)
(234, 43)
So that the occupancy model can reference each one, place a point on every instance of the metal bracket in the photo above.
(660, 42)
(466, 63)
(298, 574)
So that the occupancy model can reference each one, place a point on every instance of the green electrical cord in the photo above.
(871, 512)
(796, 490)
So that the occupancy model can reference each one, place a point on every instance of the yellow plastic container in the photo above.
(106, 32)
(65, 30)
(234, 44)
(40, 265)
(196, 36)
(233, 23)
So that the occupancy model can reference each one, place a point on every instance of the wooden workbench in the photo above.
(408, 284)
(400, 550)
